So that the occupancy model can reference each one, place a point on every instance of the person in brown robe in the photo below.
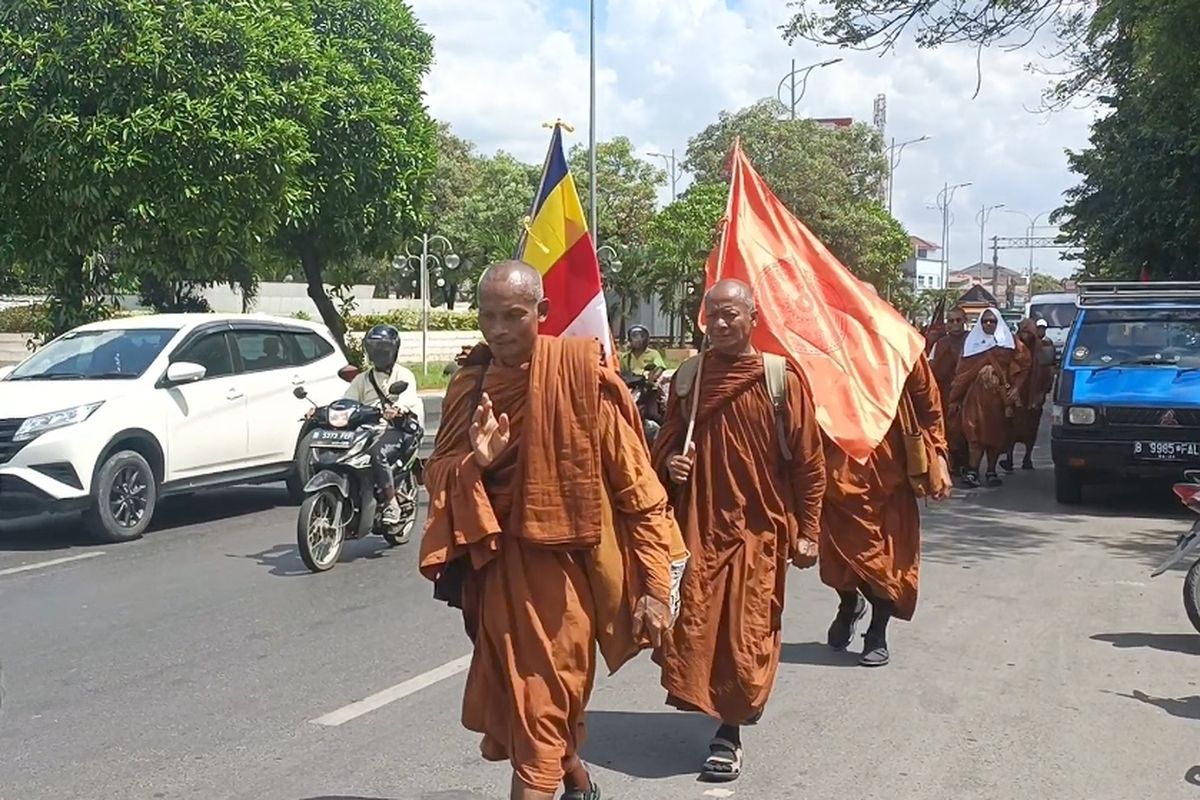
(1031, 393)
(870, 523)
(984, 393)
(549, 529)
(943, 360)
(746, 511)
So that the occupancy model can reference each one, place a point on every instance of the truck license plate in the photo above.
(1166, 451)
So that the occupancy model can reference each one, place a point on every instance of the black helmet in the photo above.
(382, 346)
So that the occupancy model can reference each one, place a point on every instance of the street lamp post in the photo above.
(981, 219)
(1029, 238)
(592, 121)
(442, 254)
(611, 263)
(669, 160)
(945, 198)
(791, 76)
(894, 153)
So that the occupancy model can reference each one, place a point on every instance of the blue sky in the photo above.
(668, 67)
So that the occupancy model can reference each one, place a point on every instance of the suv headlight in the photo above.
(44, 423)
(1081, 415)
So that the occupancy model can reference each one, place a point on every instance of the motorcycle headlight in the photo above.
(44, 423)
(339, 417)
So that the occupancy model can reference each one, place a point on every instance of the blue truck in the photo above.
(1127, 396)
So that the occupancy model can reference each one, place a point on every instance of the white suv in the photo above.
(109, 418)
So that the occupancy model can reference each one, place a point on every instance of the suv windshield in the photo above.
(1057, 315)
(1138, 336)
(95, 355)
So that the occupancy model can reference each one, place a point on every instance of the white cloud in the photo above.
(667, 67)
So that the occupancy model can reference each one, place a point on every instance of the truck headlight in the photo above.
(1081, 415)
(44, 423)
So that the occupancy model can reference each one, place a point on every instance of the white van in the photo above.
(1059, 311)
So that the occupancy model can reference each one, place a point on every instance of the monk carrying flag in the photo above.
(548, 528)
(748, 489)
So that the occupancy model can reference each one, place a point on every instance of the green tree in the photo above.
(371, 143)
(828, 178)
(165, 127)
(1044, 284)
(681, 237)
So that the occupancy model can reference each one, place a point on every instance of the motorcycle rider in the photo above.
(641, 358)
(381, 346)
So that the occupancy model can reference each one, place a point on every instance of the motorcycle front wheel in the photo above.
(1191, 595)
(319, 533)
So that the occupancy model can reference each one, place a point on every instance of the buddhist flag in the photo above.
(556, 241)
(854, 348)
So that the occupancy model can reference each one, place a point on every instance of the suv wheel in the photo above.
(1068, 486)
(124, 496)
(301, 472)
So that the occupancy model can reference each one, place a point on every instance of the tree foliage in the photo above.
(163, 126)
(828, 178)
(1138, 203)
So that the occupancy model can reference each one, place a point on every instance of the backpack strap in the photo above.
(775, 373)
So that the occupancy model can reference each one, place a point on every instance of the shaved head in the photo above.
(512, 304)
(515, 278)
(730, 290)
(731, 316)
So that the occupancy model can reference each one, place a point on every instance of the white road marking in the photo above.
(719, 793)
(394, 693)
(54, 562)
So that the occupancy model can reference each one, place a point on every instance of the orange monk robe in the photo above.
(979, 389)
(870, 523)
(944, 363)
(1034, 384)
(537, 610)
(742, 513)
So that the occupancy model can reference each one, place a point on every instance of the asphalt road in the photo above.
(204, 661)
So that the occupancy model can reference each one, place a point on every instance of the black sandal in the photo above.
(592, 793)
(724, 762)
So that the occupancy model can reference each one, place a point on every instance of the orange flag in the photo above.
(855, 349)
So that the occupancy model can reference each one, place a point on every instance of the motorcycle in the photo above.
(340, 501)
(650, 398)
(1188, 546)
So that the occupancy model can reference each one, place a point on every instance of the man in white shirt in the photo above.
(381, 346)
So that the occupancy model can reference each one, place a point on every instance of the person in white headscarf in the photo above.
(984, 393)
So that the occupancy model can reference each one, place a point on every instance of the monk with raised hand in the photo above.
(747, 493)
(943, 359)
(984, 393)
(870, 522)
(549, 529)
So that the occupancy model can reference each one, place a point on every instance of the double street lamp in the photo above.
(669, 160)
(944, 199)
(435, 251)
(1029, 236)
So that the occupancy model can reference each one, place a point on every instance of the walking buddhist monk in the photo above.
(1031, 393)
(984, 393)
(870, 523)
(944, 362)
(549, 529)
(747, 493)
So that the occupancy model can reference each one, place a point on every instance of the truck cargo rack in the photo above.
(1102, 293)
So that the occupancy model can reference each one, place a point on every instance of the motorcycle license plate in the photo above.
(1166, 451)
(338, 440)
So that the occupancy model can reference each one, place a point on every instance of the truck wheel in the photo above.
(1068, 486)
(124, 497)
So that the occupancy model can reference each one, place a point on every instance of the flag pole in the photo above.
(724, 223)
(592, 128)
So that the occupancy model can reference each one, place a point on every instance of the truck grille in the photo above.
(1153, 417)
(9, 448)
